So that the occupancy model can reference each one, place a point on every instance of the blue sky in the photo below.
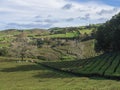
(27, 14)
(115, 3)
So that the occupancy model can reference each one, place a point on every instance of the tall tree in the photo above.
(108, 35)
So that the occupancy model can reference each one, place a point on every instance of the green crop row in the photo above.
(103, 65)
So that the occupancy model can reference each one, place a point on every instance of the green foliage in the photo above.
(3, 51)
(108, 35)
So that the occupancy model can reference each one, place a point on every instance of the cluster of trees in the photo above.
(85, 36)
(3, 51)
(21, 47)
(108, 35)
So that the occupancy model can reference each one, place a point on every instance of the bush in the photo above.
(3, 51)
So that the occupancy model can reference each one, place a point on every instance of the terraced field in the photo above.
(106, 65)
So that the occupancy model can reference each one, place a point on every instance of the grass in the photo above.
(67, 35)
(29, 76)
(88, 31)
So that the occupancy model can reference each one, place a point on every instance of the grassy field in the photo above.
(67, 35)
(29, 76)
(88, 31)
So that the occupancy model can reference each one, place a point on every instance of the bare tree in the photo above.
(23, 47)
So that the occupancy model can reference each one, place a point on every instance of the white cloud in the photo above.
(52, 13)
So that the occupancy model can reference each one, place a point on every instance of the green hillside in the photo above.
(7, 36)
(61, 46)
(106, 65)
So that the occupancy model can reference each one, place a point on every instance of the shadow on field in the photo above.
(42, 72)
(22, 68)
(45, 72)
(56, 74)
(53, 74)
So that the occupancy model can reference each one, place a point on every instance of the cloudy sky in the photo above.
(24, 14)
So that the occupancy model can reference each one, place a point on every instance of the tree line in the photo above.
(108, 35)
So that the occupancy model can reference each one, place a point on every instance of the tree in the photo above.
(3, 51)
(108, 35)
(22, 47)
